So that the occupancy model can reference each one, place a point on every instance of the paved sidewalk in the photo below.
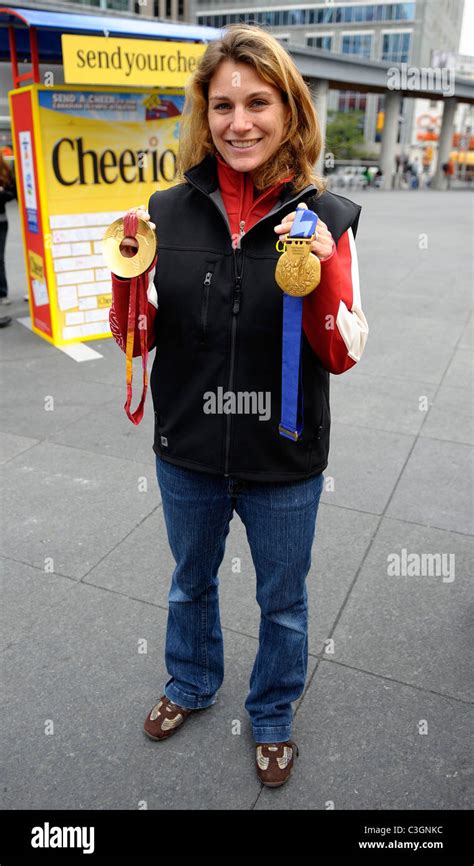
(384, 720)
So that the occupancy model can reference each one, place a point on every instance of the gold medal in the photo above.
(298, 271)
(124, 266)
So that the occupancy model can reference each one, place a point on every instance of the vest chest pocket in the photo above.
(206, 289)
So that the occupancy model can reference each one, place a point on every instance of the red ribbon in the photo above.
(130, 225)
(138, 298)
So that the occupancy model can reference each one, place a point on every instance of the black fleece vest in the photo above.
(219, 330)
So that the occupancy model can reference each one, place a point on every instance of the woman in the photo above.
(249, 139)
(7, 193)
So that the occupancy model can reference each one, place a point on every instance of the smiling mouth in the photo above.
(244, 145)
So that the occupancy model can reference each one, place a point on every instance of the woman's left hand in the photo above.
(322, 246)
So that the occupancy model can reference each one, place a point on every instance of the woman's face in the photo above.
(246, 116)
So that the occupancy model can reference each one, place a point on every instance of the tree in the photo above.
(345, 134)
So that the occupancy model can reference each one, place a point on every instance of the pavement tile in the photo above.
(422, 295)
(108, 431)
(467, 339)
(79, 506)
(19, 344)
(451, 416)
(342, 538)
(395, 347)
(379, 402)
(53, 396)
(436, 486)
(364, 465)
(11, 445)
(460, 373)
(360, 747)
(27, 595)
(412, 623)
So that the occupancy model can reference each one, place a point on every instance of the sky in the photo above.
(467, 33)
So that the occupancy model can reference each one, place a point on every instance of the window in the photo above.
(329, 14)
(350, 100)
(325, 16)
(396, 47)
(407, 12)
(296, 16)
(357, 43)
(324, 42)
(399, 12)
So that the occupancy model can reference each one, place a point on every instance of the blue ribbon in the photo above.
(292, 419)
(292, 401)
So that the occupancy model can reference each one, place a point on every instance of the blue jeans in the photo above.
(280, 521)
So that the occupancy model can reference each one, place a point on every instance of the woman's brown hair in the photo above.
(301, 143)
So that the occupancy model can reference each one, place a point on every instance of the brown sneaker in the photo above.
(274, 762)
(164, 719)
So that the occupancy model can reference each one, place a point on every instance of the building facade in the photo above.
(398, 32)
(414, 32)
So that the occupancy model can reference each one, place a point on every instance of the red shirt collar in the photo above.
(238, 194)
(232, 173)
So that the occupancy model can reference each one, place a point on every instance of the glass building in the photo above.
(399, 32)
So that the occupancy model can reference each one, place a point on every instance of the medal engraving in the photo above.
(298, 271)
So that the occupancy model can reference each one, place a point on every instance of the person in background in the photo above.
(448, 171)
(7, 193)
(415, 173)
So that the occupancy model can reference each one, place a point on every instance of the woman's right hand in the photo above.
(129, 246)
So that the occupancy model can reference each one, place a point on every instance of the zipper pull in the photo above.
(208, 278)
(242, 225)
(236, 305)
